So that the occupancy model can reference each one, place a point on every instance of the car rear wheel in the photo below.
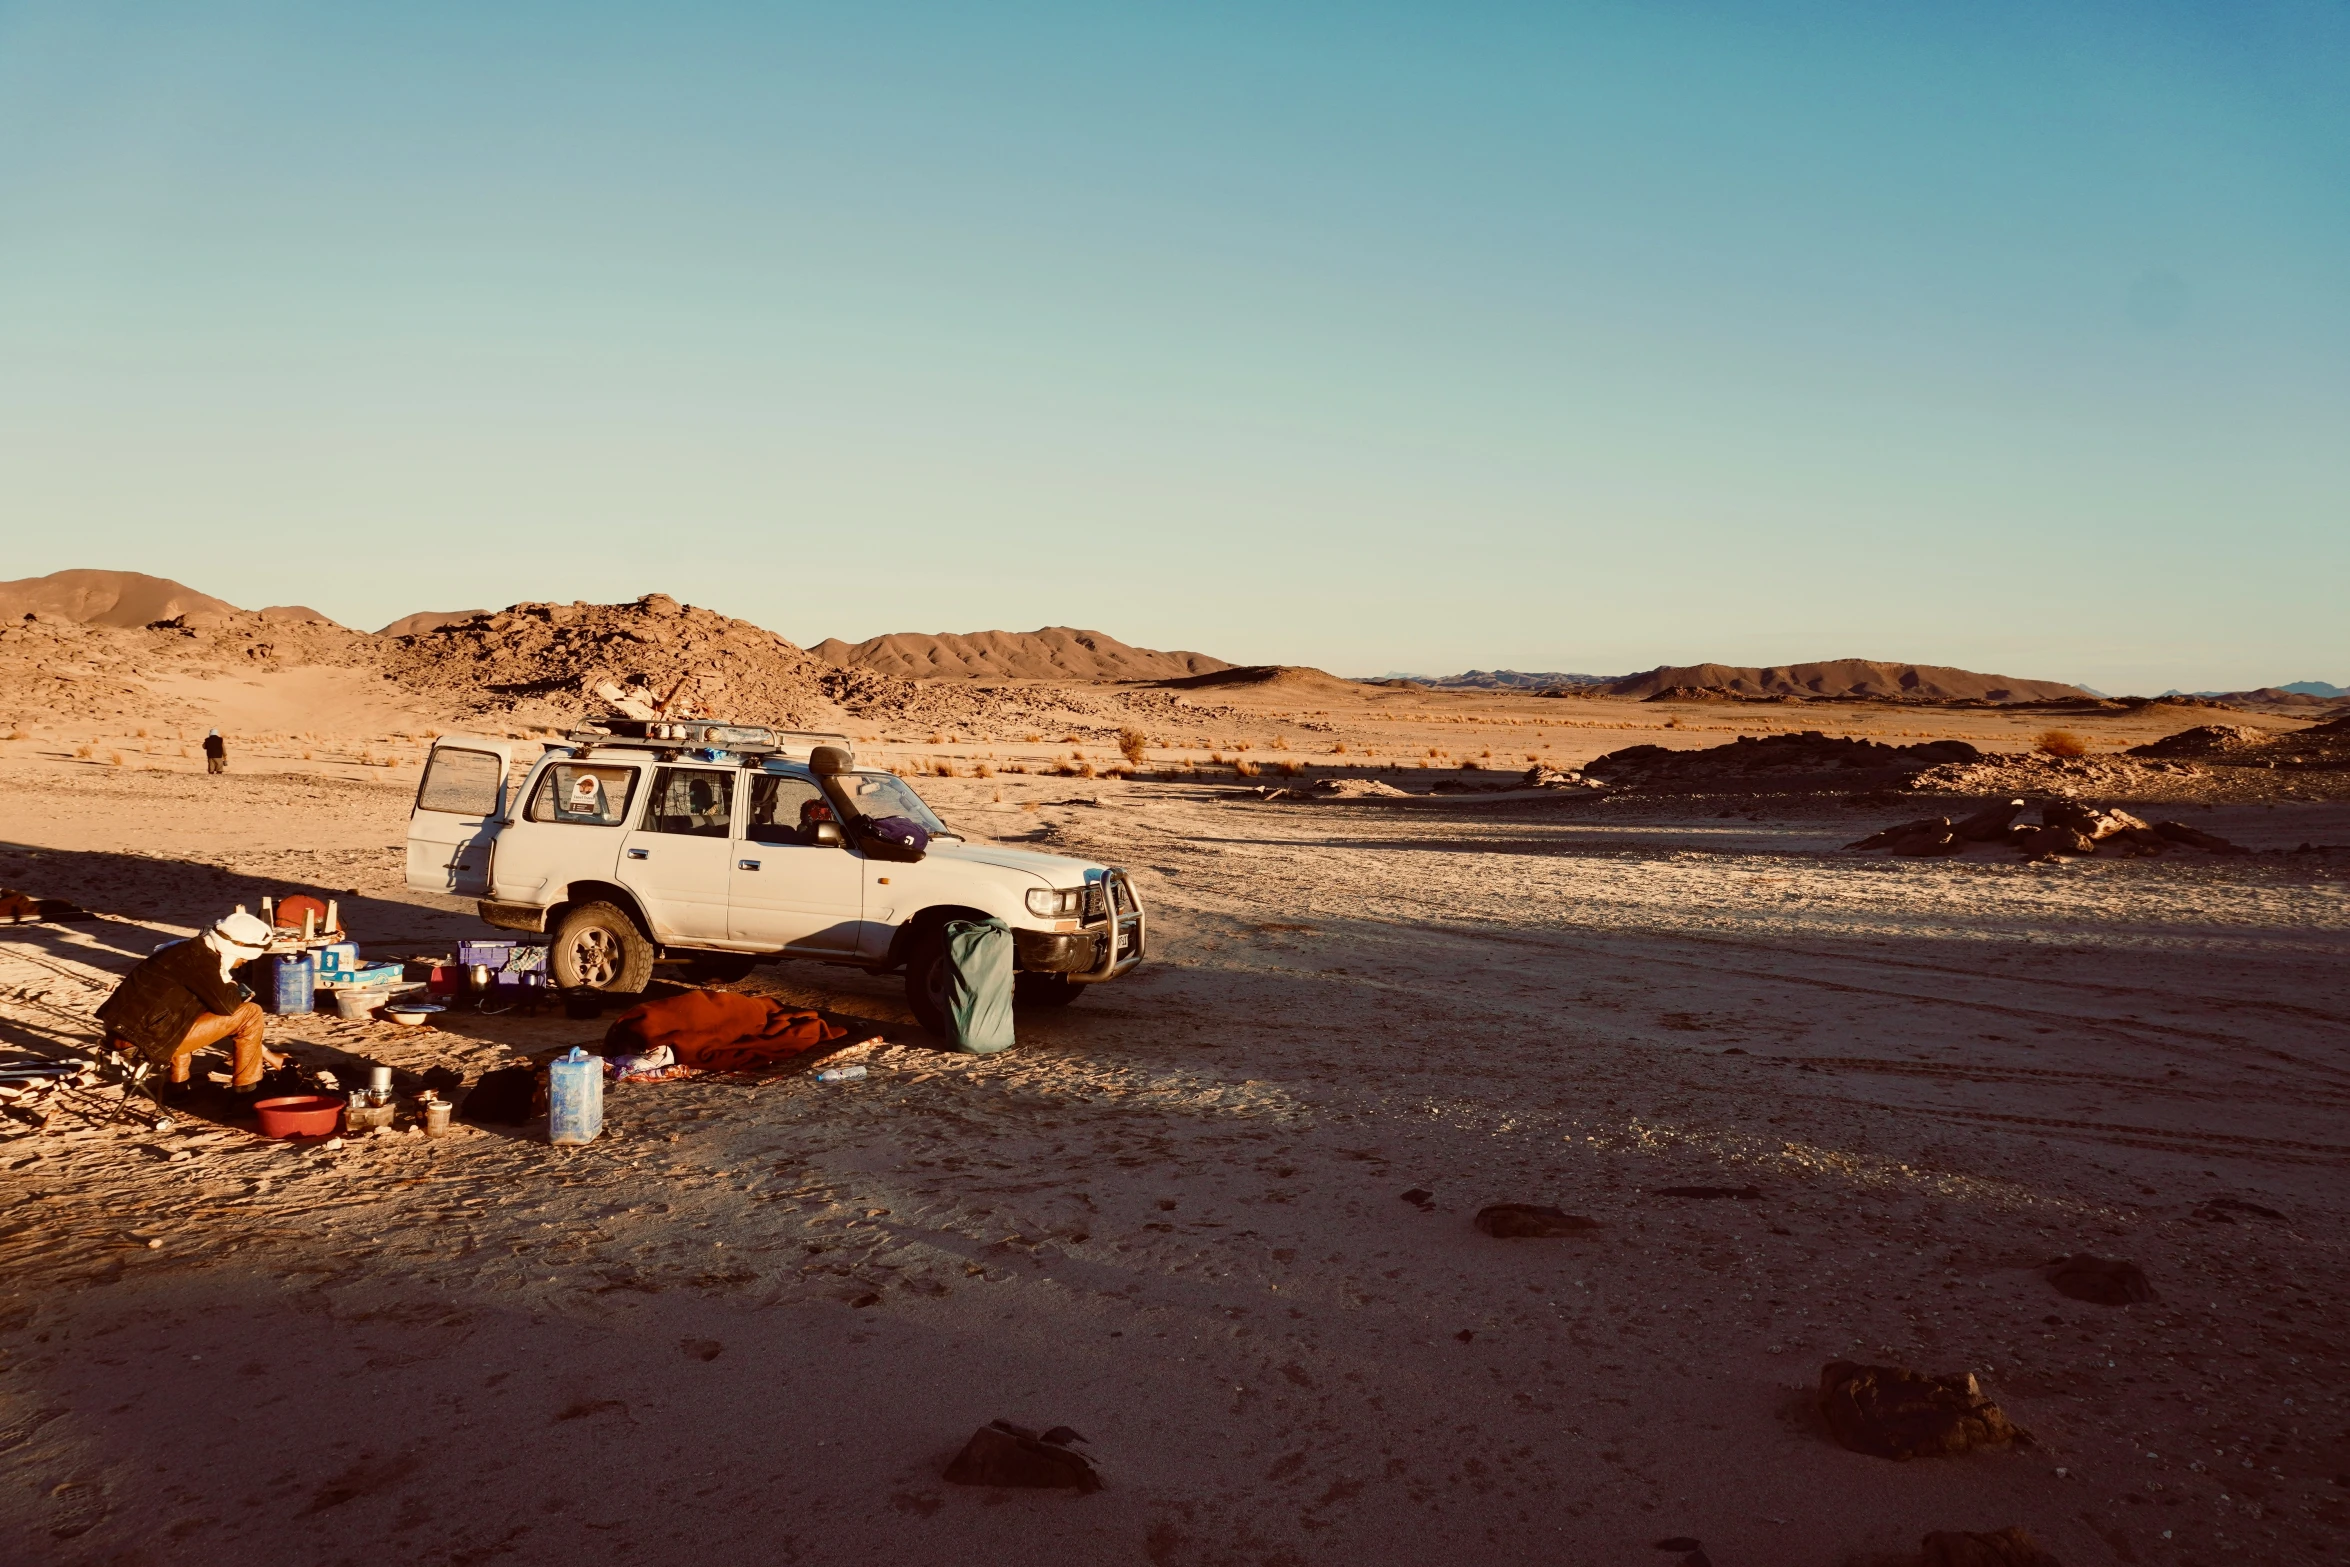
(598, 947)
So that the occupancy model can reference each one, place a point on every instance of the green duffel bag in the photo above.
(979, 985)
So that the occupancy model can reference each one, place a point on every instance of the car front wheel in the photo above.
(598, 947)
(926, 980)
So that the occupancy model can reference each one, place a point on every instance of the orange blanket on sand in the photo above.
(719, 1031)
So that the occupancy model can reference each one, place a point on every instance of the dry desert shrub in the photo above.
(1290, 769)
(1015, 767)
(1085, 770)
(1033, 739)
(1470, 764)
(1215, 759)
(938, 737)
(305, 753)
(1281, 742)
(1242, 767)
(1072, 739)
(1133, 744)
(114, 758)
(2061, 742)
(982, 770)
(1240, 745)
(84, 751)
(183, 753)
(1339, 749)
(142, 732)
(998, 796)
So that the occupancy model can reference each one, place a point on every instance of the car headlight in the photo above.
(1055, 903)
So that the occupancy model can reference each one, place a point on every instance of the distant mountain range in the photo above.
(1839, 678)
(1495, 680)
(2301, 693)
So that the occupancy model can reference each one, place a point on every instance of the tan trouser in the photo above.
(247, 1054)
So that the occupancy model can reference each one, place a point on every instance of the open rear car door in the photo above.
(459, 804)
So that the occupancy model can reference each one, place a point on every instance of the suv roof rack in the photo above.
(680, 734)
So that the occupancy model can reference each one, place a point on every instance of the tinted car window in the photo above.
(694, 801)
(582, 796)
(784, 807)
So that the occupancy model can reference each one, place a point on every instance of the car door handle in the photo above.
(748, 865)
(640, 854)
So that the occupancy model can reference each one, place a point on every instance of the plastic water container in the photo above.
(293, 984)
(840, 1074)
(575, 1098)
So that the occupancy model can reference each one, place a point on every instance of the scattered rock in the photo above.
(1932, 826)
(1003, 1454)
(2196, 837)
(701, 1348)
(1420, 1198)
(1523, 1221)
(2221, 1210)
(2089, 821)
(1778, 762)
(2012, 1547)
(2101, 1281)
(1356, 789)
(1990, 824)
(1542, 777)
(2204, 740)
(2052, 839)
(1891, 1412)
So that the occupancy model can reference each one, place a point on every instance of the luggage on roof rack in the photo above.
(676, 734)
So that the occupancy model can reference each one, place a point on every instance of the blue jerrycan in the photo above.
(293, 985)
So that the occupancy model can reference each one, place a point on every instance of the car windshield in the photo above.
(886, 794)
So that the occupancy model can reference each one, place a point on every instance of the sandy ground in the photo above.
(755, 1320)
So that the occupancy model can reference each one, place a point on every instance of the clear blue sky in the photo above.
(1376, 337)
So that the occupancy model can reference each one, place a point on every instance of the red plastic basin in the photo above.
(300, 1115)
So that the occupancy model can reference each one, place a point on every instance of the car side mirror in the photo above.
(827, 833)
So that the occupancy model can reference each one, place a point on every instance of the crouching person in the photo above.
(184, 998)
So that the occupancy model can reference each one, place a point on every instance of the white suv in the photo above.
(730, 844)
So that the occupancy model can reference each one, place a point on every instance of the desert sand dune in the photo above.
(105, 598)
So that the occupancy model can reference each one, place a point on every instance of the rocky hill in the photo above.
(122, 599)
(428, 620)
(1049, 653)
(1840, 678)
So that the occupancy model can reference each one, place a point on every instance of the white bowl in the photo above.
(410, 1017)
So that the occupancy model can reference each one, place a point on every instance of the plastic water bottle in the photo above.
(575, 1098)
(840, 1074)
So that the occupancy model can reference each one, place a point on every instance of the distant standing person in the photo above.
(215, 753)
